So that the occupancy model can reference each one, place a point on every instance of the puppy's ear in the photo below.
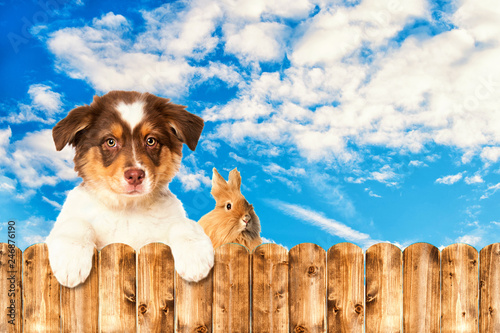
(65, 131)
(185, 125)
(234, 179)
(219, 184)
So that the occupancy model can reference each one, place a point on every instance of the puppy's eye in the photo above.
(228, 206)
(151, 142)
(111, 143)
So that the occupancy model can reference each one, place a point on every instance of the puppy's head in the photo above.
(128, 145)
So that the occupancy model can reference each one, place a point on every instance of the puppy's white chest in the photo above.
(132, 228)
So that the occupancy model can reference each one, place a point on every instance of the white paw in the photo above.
(194, 257)
(70, 262)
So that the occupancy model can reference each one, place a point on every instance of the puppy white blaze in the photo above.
(131, 113)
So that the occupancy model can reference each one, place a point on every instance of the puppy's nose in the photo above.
(134, 176)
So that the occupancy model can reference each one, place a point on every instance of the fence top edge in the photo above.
(384, 244)
(440, 249)
(490, 248)
(296, 247)
(344, 245)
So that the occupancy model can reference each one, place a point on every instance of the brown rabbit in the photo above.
(233, 219)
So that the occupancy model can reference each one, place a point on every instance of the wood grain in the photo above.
(155, 288)
(80, 305)
(193, 306)
(307, 288)
(489, 299)
(11, 263)
(117, 292)
(41, 291)
(345, 288)
(270, 289)
(459, 289)
(231, 289)
(421, 289)
(384, 289)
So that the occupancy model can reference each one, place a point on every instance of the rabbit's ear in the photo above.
(218, 183)
(234, 179)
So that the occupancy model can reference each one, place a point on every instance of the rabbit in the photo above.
(233, 219)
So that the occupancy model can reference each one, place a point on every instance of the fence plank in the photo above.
(489, 301)
(117, 292)
(80, 305)
(459, 289)
(11, 259)
(231, 289)
(307, 288)
(421, 288)
(41, 291)
(345, 288)
(155, 288)
(193, 306)
(384, 293)
(270, 289)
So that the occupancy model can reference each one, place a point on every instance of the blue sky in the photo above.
(359, 121)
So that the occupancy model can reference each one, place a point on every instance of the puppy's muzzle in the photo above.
(134, 176)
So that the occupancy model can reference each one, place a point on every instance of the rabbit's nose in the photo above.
(247, 218)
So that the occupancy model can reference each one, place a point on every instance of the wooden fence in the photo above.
(306, 289)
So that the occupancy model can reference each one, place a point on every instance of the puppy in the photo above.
(128, 147)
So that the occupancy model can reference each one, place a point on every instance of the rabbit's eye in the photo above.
(228, 206)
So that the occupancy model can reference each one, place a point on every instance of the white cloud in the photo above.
(263, 41)
(490, 154)
(283, 175)
(7, 184)
(192, 181)
(449, 180)
(476, 179)
(45, 99)
(275, 169)
(417, 164)
(271, 241)
(111, 21)
(241, 160)
(470, 240)
(386, 176)
(5, 135)
(339, 31)
(44, 105)
(35, 161)
(53, 203)
(331, 226)
(372, 194)
(492, 189)
(333, 100)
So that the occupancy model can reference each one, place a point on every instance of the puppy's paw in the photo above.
(71, 263)
(194, 257)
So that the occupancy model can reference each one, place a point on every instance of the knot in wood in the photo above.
(143, 308)
(300, 329)
(201, 329)
(312, 270)
(358, 308)
(130, 298)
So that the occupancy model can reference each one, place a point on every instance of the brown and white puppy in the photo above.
(128, 147)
